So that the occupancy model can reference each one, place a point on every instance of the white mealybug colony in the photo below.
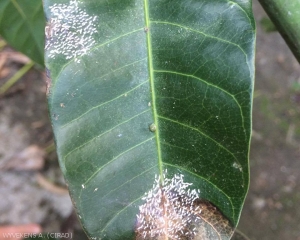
(70, 31)
(169, 211)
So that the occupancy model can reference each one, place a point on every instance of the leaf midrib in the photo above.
(151, 80)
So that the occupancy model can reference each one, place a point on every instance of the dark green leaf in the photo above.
(22, 25)
(156, 85)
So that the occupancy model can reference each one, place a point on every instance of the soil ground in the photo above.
(271, 210)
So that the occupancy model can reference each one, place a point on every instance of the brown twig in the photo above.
(15, 77)
(51, 187)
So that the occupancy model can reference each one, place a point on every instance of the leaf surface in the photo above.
(161, 85)
(22, 25)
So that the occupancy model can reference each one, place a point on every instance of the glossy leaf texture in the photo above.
(147, 88)
(22, 24)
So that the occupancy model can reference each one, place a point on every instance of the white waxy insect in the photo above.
(70, 31)
(152, 127)
(49, 29)
(169, 203)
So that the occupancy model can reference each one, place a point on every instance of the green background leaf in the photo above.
(22, 24)
(185, 66)
(286, 17)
